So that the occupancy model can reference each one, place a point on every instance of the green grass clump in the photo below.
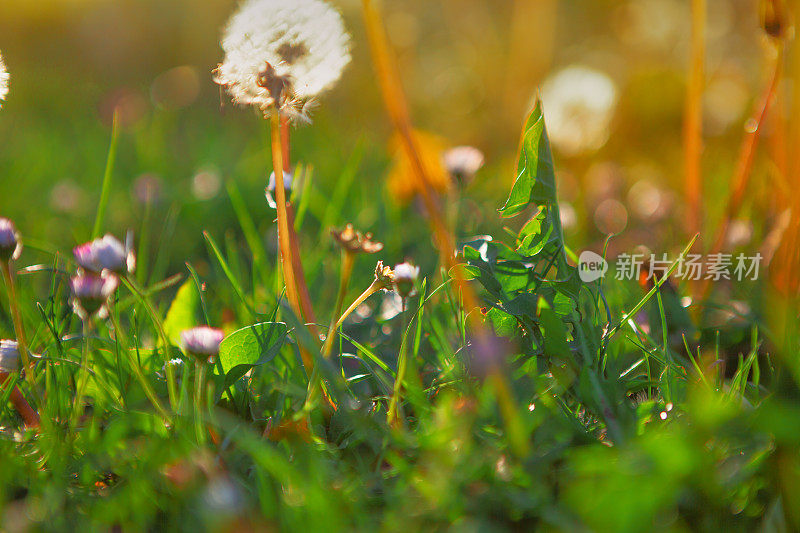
(496, 391)
(619, 430)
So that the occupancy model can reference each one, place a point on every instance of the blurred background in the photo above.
(612, 75)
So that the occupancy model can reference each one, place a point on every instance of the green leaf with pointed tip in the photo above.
(181, 314)
(536, 182)
(251, 346)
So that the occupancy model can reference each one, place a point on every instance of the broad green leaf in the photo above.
(250, 346)
(181, 314)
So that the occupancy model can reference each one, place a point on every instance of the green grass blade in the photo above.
(105, 192)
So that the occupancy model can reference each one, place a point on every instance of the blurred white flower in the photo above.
(288, 181)
(4, 77)
(91, 293)
(405, 276)
(9, 356)
(284, 51)
(106, 253)
(463, 162)
(579, 104)
(202, 340)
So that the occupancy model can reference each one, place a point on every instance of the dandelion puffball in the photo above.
(4, 77)
(579, 104)
(281, 53)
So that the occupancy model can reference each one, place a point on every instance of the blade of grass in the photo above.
(237, 288)
(105, 191)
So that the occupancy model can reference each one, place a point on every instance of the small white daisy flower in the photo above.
(405, 276)
(463, 162)
(281, 53)
(271, 186)
(105, 253)
(202, 341)
(90, 293)
(4, 77)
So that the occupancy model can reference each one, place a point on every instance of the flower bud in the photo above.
(91, 293)
(384, 275)
(405, 276)
(10, 244)
(202, 342)
(106, 253)
(9, 357)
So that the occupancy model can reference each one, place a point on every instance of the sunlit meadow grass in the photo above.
(407, 368)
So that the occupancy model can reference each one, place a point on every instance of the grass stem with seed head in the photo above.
(315, 384)
(397, 109)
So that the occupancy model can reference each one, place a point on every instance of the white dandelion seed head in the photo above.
(289, 50)
(579, 104)
(4, 77)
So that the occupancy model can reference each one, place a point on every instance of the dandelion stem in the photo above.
(297, 265)
(284, 239)
(302, 287)
(397, 109)
(693, 118)
(744, 164)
